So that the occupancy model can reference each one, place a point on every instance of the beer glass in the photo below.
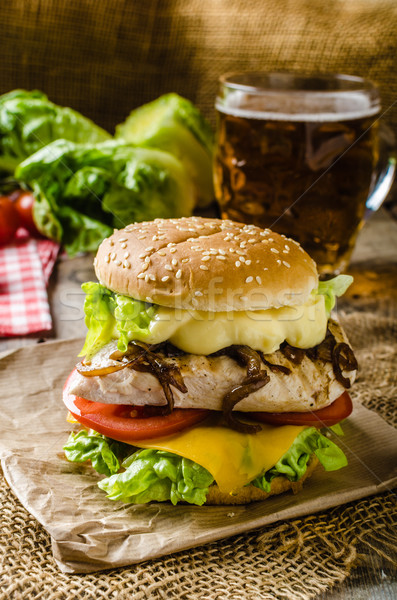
(302, 155)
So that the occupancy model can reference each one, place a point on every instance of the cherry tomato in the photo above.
(9, 220)
(126, 423)
(324, 417)
(24, 205)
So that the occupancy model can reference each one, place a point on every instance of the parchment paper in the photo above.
(89, 532)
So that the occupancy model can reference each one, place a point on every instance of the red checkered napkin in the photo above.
(25, 268)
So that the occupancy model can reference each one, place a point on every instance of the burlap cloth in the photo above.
(295, 559)
(104, 58)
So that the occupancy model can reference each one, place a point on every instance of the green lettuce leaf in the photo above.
(133, 319)
(107, 312)
(334, 288)
(29, 121)
(103, 452)
(293, 463)
(99, 307)
(83, 191)
(158, 475)
(174, 124)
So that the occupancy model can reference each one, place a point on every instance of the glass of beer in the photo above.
(302, 155)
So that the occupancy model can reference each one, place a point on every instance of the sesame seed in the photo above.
(170, 244)
(237, 263)
(123, 245)
(142, 256)
(248, 262)
(265, 268)
(154, 238)
(161, 253)
(278, 262)
(152, 277)
(174, 262)
(252, 241)
(198, 293)
(111, 242)
(126, 254)
(168, 267)
(232, 250)
(274, 250)
(204, 258)
(286, 264)
(107, 258)
(147, 277)
(141, 237)
(113, 255)
(270, 239)
(222, 252)
(185, 260)
(145, 267)
(178, 274)
(149, 249)
(118, 263)
(141, 275)
(249, 279)
(265, 241)
(122, 240)
(172, 250)
(220, 257)
(239, 252)
(258, 280)
(127, 264)
(149, 299)
(286, 247)
(204, 267)
(165, 278)
(147, 260)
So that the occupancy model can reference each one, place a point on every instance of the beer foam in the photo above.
(300, 107)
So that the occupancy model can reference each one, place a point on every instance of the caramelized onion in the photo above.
(238, 393)
(244, 355)
(274, 368)
(89, 371)
(145, 360)
(295, 355)
(343, 359)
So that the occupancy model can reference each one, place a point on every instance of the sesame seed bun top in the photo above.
(206, 264)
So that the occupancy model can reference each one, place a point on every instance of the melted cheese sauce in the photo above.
(200, 332)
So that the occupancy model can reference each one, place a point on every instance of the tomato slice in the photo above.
(324, 417)
(126, 423)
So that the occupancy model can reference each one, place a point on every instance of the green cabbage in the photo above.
(160, 475)
(334, 288)
(107, 312)
(174, 124)
(83, 191)
(29, 121)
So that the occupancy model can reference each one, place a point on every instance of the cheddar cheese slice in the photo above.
(234, 459)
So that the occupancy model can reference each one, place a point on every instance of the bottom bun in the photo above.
(250, 493)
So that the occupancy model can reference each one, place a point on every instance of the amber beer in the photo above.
(305, 175)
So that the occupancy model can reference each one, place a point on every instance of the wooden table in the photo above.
(374, 267)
